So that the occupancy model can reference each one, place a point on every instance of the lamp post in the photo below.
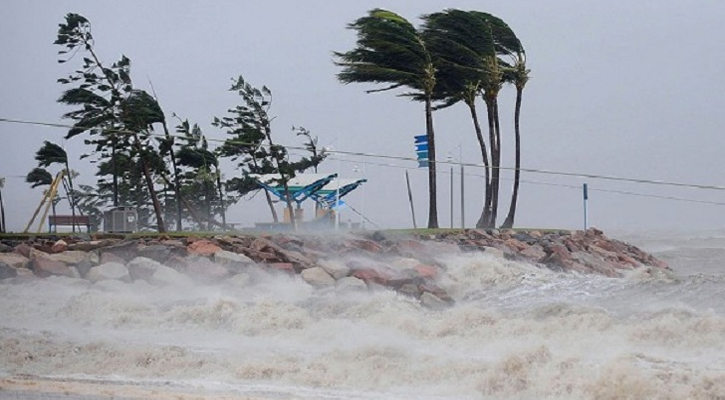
(449, 158)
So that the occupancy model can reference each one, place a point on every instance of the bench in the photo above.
(69, 220)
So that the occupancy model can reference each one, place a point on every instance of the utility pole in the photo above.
(585, 192)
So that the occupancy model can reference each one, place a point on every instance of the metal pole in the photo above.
(463, 212)
(410, 199)
(451, 197)
(585, 190)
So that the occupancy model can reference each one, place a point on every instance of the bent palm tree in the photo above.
(519, 76)
(463, 47)
(506, 44)
(51, 153)
(390, 50)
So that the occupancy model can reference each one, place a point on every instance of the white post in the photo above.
(585, 192)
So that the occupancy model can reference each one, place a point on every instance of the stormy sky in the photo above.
(618, 88)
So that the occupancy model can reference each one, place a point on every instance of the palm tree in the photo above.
(505, 43)
(3, 228)
(41, 177)
(390, 50)
(51, 153)
(463, 47)
(519, 75)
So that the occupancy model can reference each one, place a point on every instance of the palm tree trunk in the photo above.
(484, 155)
(3, 228)
(432, 191)
(496, 173)
(485, 220)
(150, 184)
(509, 222)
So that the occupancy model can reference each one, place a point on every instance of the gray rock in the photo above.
(337, 270)
(317, 277)
(142, 268)
(73, 257)
(14, 260)
(351, 284)
(202, 269)
(5, 248)
(433, 302)
(410, 290)
(108, 271)
(494, 252)
(232, 261)
(83, 267)
(240, 280)
(110, 285)
(165, 276)
(125, 250)
(7, 271)
(156, 252)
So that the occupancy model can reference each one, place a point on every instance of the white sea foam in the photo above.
(516, 331)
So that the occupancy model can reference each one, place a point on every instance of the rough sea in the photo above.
(516, 331)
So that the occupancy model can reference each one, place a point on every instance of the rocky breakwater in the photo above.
(407, 263)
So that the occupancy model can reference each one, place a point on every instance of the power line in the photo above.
(561, 185)
(391, 157)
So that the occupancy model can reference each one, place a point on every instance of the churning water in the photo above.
(516, 331)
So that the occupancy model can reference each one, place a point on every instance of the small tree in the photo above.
(251, 144)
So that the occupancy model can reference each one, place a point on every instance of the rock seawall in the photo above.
(406, 263)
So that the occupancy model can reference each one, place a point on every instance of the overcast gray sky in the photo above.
(632, 89)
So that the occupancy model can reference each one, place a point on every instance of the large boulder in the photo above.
(108, 271)
(122, 252)
(73, 257)
(156, 252)
(232, 261)
(351, 284)
(336, 269)
(165, 276)
(202, 247)
(142, 268)
(43, 265)
(7, 271)
(317, 277)
(432, 301)
(204, 270)
(14, 260)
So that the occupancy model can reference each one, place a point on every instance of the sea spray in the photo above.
(516, 330)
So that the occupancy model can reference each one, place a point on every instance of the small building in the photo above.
(122, 219)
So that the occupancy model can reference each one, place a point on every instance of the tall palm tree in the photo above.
(519, 76)
(390, 50)
(3, 227)
(507, 45)
(464, 48)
